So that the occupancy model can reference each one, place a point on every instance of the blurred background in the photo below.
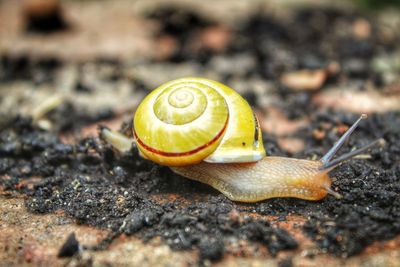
(309, 68)
(289, 59)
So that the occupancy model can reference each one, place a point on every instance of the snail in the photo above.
(205, 131)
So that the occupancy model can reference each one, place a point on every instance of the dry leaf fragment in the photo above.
(304, 79)
(215, 38)
(275, 122)
(358, 102)
(361, 28)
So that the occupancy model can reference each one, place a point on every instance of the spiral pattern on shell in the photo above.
(181, 122)
(184, 121)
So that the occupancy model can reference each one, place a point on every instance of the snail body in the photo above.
(268, 178)
(205, 131)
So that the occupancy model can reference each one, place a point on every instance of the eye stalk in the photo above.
(327, 161)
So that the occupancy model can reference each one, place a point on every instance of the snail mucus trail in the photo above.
(239, 169)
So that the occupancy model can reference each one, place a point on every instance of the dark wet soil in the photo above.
(43, 17)
(124, 193)
(98, 187)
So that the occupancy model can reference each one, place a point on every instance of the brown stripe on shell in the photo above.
(181, 154)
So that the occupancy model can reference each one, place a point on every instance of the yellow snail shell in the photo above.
(189, 120)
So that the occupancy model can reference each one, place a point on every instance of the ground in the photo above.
(308, 69)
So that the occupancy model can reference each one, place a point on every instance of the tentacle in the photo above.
(332, 164)
(116, 139)
(328, 156)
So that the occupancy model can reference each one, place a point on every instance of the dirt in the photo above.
(97, 187)
(128, 195)
(70, 247)
(93, 184)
